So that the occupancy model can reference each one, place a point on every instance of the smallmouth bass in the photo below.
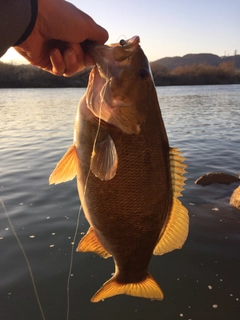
(128, 177)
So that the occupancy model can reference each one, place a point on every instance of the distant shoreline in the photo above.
(156, 84)
(192, 69)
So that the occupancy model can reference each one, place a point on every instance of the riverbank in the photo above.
(27, 76)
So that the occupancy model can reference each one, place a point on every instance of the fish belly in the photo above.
(129, 211)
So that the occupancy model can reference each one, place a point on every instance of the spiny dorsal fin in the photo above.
(177, 171)
(104, 160)
(90, 243)
(66, 168)
(176, 230)
(148, 288)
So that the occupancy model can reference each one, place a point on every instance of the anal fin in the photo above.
(148, 288)
(90, 243)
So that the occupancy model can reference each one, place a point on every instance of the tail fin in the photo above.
(148, 288)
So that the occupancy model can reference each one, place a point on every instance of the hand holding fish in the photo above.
(55, 41)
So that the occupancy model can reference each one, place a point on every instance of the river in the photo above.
(200, 281)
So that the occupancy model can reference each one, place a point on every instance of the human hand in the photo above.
(55, 42)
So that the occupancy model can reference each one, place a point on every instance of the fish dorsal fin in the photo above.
(148, 288)
(90, 243)
(176, 230)
(104, 160)
(177, 171)
(66, 168)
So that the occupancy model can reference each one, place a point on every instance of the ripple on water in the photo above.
(36, 130)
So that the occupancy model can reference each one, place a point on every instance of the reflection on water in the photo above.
(201, 281)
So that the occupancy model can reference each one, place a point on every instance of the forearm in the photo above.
(17, 19)
(49, 33)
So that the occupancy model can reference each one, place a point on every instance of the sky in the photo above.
(166, 28)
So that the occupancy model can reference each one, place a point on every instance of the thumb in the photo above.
(61, 20)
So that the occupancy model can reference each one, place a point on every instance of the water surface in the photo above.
(200, 281)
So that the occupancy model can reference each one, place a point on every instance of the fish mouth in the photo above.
(114, 54)
(106, 98)
(108, 111)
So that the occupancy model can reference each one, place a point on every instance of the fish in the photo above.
(129, 179)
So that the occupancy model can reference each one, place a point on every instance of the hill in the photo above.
(196, 69)
(201, 58)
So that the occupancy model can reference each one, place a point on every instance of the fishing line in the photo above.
(79, 211)
(122, 36)
(76, 229)
(71, 262)
(75, 233)
(25, 257)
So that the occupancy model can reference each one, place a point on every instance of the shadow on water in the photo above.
(200, 281)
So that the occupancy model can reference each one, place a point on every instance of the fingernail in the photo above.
(70, 55)
(57, 55)
(89, 62)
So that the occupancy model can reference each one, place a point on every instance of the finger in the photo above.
(88, 60)
(77, 29)
(74, 59)
(71, 63)
(97, 33)
(57, 61)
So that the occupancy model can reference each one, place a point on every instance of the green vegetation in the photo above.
(191, 69)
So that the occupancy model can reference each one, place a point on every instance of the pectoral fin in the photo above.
(104, 160)
(90, 243)
(66, 168)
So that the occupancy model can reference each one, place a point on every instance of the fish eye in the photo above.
(122, 42)
(143, 74)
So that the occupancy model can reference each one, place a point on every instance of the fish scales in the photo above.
(124, 170)
(129, 202)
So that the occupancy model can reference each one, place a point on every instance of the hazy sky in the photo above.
(169, 27)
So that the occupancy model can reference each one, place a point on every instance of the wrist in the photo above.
(28, 30)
